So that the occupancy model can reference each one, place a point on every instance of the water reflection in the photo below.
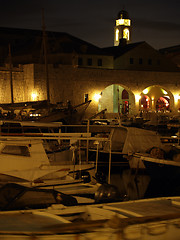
(139, 185)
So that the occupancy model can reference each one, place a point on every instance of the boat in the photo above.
(160, 160)
(145, 219)
(143, 142)
(164, 173)
(125, 142)
(18, 197)
(24, 161)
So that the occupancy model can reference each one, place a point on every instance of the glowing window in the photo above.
(145, 102)
(117, 34)
(126, 33)
(162, 104)
(125, 22)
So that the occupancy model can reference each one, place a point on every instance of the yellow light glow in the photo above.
(117, 34)
(126, 33)
(164, 92)
(137, 97)
(152, 98)
(96, 97)
(34, 96)
(176, 98)
(145, 91)
(125, 22)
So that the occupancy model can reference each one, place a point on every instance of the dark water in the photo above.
(131, 184)
(139, 185)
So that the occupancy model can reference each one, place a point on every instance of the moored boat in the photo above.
(24, 161)
(147, 219)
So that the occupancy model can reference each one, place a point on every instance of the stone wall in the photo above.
(72, 83)
(68, 83)
(19, 86)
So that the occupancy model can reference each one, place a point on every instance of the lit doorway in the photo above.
(116, 99)
(145, 102)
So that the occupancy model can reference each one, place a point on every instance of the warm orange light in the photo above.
(176, 98)
(96, 97)
(34, 96)
(117, 34)
(137, 97)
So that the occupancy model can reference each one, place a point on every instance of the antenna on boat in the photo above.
(45, 55)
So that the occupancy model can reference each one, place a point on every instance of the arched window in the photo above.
(126, 33)
(125, 94)
(162, 104)
(117, 34)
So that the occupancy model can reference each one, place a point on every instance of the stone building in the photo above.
(124, 78)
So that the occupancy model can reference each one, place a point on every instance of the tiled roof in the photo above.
(117, 51)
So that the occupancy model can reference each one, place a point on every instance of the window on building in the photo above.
(55, 65)
(131, 60)
(126, 34)
(117, 34)
(89, 62)
(140, 61)
(150, 61)
(125, 94)
(99, 62)
(86, 97)
(15, 65)
(80, 61)
(158, 62)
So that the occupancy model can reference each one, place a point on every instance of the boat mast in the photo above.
(45, 56)
(10, 70)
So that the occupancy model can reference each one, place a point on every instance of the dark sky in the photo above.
(155, 21)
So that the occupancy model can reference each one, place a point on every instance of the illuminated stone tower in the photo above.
(122, 28)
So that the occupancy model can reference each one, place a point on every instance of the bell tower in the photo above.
(122, 28)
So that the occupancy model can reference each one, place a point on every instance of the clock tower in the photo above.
(122, 28)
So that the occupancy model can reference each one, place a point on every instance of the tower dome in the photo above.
(123, 15)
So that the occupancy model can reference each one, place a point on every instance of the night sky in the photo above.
(157, 21)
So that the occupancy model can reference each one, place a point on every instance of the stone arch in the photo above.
(116, 98)
(157, 98)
